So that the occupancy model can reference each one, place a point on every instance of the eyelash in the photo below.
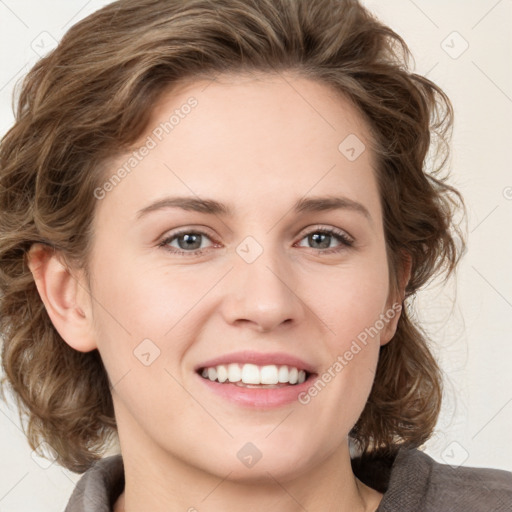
(342, 237)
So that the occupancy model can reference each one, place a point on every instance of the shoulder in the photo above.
(99, 486)
(440, 487)
(416, 482)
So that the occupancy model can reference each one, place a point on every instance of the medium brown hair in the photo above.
(91, 98)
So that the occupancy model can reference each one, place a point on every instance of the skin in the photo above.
(273, 141)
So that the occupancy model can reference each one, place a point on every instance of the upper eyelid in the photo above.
(303, 233)
(320, 227)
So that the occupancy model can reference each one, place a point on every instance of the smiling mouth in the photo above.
(255, 376)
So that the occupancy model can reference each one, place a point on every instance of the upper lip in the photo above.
(258, 358)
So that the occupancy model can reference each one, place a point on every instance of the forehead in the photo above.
(258, 101)
(247, 137)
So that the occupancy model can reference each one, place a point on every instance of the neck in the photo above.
(163, 483)
(162, 480)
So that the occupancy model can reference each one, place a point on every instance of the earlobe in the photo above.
(394, 307)
(63, 296)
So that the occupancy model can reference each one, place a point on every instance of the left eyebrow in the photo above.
(212, 207)
(318, 204)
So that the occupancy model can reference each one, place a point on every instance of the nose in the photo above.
(262, 294)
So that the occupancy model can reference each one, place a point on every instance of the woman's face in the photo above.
(275, 258)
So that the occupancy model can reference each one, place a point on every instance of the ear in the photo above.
(65, 297)
(395, 301)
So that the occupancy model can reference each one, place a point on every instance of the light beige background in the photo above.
(465, 47)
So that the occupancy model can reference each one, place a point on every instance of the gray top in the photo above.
(411, 482)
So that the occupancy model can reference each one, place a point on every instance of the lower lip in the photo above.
(263, 398)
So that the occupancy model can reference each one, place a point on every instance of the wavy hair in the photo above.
(91, 97)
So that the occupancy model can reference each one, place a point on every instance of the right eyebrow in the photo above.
(209, 206)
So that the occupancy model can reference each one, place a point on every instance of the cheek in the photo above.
(337, 398)
(352, 305)
(144, 300)
(130, 313)
(146, 317)
(352, 299)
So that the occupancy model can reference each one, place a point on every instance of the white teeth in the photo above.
(283, 374)
(212, 373)
(252, 374)
(222, 373)
(234, 373)
(268, 375)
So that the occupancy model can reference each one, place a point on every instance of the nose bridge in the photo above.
(262, 284)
